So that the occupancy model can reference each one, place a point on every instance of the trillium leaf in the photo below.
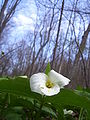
(69, 97)
(48, 68)
(18, 86)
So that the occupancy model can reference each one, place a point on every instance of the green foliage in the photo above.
(48, 68)
(82, 115)
(17, 102)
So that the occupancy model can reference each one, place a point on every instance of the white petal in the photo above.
(50, 91)
(23, 76)
(58, 78)
(36, 81)
(67, 112)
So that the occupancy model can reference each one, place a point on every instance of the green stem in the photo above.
(80, 115)
(38, 116)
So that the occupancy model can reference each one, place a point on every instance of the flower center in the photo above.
(49, 84)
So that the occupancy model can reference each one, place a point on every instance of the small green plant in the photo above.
(19, 102)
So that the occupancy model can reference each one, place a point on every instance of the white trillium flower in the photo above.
(48, 85)
(67, 112)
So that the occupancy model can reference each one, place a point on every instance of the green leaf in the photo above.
(83, 114)
(49, 111)
(48, 68)
(18, 101)
(18, 86)
(60, 113)
(46, 110)
(68, 97)
(69, 117)
(13, 116)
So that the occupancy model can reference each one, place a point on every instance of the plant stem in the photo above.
(80, 115)
(40, 109)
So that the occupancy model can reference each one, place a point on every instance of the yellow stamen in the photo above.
(49, 84)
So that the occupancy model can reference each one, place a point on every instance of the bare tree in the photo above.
(7, 9)
(61, 36)
(57, 36)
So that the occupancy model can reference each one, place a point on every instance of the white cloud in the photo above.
(24, 23)
(34, 16)
(24, 19)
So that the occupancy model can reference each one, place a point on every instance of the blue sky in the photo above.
(24, 19)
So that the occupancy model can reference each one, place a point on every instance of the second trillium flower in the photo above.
(48, 85)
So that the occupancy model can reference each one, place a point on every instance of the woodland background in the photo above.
(61, 36)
